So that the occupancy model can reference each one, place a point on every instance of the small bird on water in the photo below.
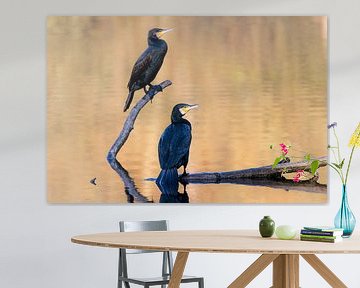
(93, 181)
(174, 144)
(148, 65)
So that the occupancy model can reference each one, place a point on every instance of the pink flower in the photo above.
(297, 176)
(284, 148)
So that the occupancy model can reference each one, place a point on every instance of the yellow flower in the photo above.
(355, 138)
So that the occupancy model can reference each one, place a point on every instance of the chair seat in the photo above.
(158, 280)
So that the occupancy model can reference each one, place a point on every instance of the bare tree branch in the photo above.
(130, 188)
(264, 172)
(130, 120)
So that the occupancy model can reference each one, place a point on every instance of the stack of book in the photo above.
(321, 234)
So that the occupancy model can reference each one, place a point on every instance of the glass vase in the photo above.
(345, 219)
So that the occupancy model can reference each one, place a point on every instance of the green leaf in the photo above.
(314, 166)
(342, 163)
(271, 146)
(307, 157)
(336, 165)
(277, 160)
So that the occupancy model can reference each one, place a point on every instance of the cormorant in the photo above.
(174, 144)
(148, 65)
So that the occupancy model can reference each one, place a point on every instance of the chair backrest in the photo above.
(134, 226)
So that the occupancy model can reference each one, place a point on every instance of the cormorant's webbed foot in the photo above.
(151, 96)
(147, 90)
(182, 176)
(184, 172)
(159, 88)
(184, 187)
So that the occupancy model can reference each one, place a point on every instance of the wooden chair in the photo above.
(167, 263)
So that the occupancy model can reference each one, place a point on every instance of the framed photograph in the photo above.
(170, 109)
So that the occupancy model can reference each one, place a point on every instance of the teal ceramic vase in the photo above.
(345, 219)
(266, 227)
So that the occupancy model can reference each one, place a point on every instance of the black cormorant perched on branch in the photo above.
(174, 144)
(148, 65)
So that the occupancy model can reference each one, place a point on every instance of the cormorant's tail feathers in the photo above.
(128, 100)
(167, 176)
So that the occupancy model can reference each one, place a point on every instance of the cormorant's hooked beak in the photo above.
(162, 32)
(187, 108)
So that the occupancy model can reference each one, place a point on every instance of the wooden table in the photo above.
(284, 254)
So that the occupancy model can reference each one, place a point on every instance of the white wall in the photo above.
(35, 248)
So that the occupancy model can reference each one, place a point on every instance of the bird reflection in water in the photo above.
(170, 191)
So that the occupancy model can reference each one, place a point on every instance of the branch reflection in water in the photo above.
(131, 190)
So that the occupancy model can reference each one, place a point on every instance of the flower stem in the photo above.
(351, 155)
(337, 171)
(348, 167)
(334, 154)
(338, 145)
(339, 160)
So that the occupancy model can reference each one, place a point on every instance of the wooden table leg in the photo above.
(253, 270)
(293, 262)
(324, 271)
(286, 271)
(178, 269)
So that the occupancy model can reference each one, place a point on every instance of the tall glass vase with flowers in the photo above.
(344, 219)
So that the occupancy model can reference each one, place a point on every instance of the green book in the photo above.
(319, 236)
